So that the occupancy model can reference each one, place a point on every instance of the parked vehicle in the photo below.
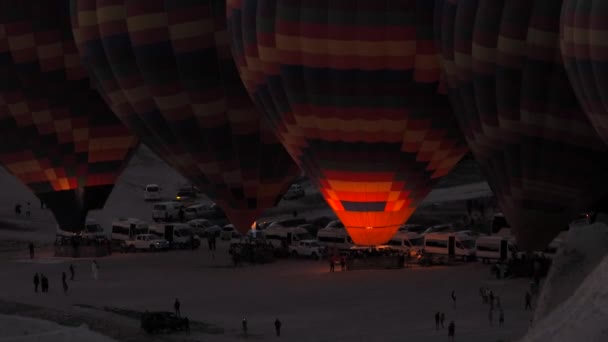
(452, 244)
(148, 242)
(229, 233)
(334, 235)
(280, 236)
(440, 228)
(186, 194)
(179, 235)
(295, 191)
(194, 211)
(152, 192)
(499, 222)
(126, 228)
(407, 243)
(93, 230)
(212, 212)
(307, 248)
(166, 211)
(490, 248)
(204, 228)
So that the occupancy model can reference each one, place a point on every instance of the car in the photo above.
(152, 192)
(166, 211)
(204, 227)
(185, 195)
(307, 248)
(146, 242)
(295, 191)
(194, 211)
(229, 232)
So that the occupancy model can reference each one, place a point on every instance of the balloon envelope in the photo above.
(583, 31)
(57, 135)
(519, 113)
(167, 69)
(352, 89)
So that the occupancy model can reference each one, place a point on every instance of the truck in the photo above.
(179, 235)
(149, 242)
(307, 248)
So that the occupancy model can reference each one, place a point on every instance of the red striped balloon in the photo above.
(353, 90)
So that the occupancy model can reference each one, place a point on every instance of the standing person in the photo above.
(437, 315)
(454, 298)
(277, 327)
(44, 283)
(28, 209)
(451, 330)
(18, 209)
(36, 282)
(244, 326)
(331, 264)
(95, 269)
(31, 247)
(342, 263)
(491, 316)
(442, 319)
(528, 301)
(501, 318)
(491, 300)
(64, 283)
(72, 272)
(176, 306)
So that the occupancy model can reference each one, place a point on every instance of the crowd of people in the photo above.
(42, 281)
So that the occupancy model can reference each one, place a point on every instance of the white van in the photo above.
(495, 248)
(195, 211)
(282, 237)
(166, 211)
(335, 237)
(411, 243)
(450, 244)
(152, 192)
(124, 229)
(178, 234)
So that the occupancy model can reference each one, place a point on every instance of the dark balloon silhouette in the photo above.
(57, 135)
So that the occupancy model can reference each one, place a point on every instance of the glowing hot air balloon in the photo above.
(353, 90)
(167, 69)
(57, 135)
(520, 116)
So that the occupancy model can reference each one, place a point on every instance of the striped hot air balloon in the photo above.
(584, 32)
(166, 68)
(353, 90)
(519, 113)
(57, 135)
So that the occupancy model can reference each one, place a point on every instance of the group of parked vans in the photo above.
(176, 234)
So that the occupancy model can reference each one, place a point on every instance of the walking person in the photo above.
(331, 264)
(95, 269)
(453, 295)
(64, 283)
(72, 272)
(342, 263)
(528, 301)
(437, 317)
(277, 327)
(492, 299)
(177, 306)
(244, 323)
(36, 282)
(18, 209)
(451, 331)
(501, 318)
(442, 319)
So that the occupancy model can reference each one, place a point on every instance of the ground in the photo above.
(314, 305)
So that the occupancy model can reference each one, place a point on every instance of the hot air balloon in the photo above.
(167, 69)
(353, 90)
(583, 31)
(57, 135)
(519, 113)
